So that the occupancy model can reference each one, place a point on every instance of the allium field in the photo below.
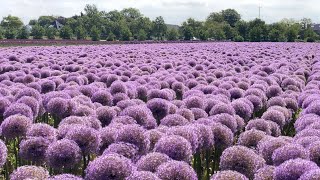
(219, 111)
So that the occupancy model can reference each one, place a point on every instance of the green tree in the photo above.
(230, 32)
(1, 33)
(215, 17)
(66, 32)
(238, 38)
(293, 32)
(258, 31)
(243, 29)
(23, 33)
(255, 34)
(11, 22)
(194, 26)
(51, 32)
(33, 22)
(142, 35)
(159, 27)
(172, 34)
(274, 35)
(215, 31)
(111, 37)
(80, 32)
(10, 33)
(46, 21)
(231, 16)
(95, 34)
(125, 34)
(187, 33)
(37, 32)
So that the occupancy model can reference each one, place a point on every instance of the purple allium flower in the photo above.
(65, 177)
(29, 172)
(222, 108)
(83, 111)
(289, 151)
(63, 153)
(32, 103)
(264, 173)
(268, 145)
(251, 138)
(188, 132)
(242, 160)
(151, 161)
(28, 92)
(93, 122)
(124, 120)
(87, 138)
(236, 93)
(259, 124)
(256, 101)
(15, 126)
(18, 109)
(275, 129)
(142, 93)
(306, 141)
(205, 136)
(140, 113)
(108, 136)
(313, 108)
(159, 108)
(127, 150)
(311, 175)
(3, 153)
(293, 169)
(176, 147)
(58, 106)
(118, 87)
(156, 93)
(227, 120)
(273, 91)
(47, 86)
(174, 120)
(199, 113)
(4, 104)
(228, 175)
(73, 120)
(186, 113)
(305, 120)
(142, 175)
(153, 135)
(291, 104)
(314, 150)
(102, 97)
(307, 132)
(109, 166)
(134, 134)
(223, 136)
(176, 170)
(194, 102)
(105, 115)
(34, 149)
(275, 116)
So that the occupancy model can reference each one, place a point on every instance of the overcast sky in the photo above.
(173, 11)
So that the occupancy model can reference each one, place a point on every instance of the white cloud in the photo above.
(173, 11)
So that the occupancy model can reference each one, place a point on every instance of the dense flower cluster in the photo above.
(161, 111)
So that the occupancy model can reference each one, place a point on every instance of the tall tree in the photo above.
(11, 22)
(243, 29)
(159, 27)
(23, 33)
(231, 16)
(37, 32)
(46, 21)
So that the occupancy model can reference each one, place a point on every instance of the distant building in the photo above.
(56, 25)
(316, 28)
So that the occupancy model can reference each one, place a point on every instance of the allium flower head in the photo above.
(176, 147)
(228, 175)
(109, 166)
(194, 102)
(188, 132)
(242, 160)
(227, 120)
(293, 169)
(153, 135)
(102, 97)
(275, 116)
(3, 153)
(222, 108)
(159, 108)
(151, 161)
(251, 138)
(34, 149)
(15, 126)
(140, 113)
(142, 175)
(289, 151)
(259, 124)
(186, 113)
(223, 136)
(311, 175)
(87, 138)
(105, 115)
(268, 145)
(264, 173)
(174, 120)
(18, 109)
(65, 177)
(176, 170)
(29, 172)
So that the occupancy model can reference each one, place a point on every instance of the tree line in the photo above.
(130, 24)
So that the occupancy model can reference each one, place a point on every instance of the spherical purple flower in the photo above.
(140, 113)
(127, 150)
(4, 104)
(205, 136)
(199, 113)
(58, 106)
(313, 108)
(242, 109)
(223, 136)
(268, 145)
(275, 116)
(151, 161)
(259, 124)
(305, 120)
(264, 173)
(134, 134)
(293, 169)
(124, 120)
(105, 115)
(63, 153)
(256, 101)
(228, 175)
(242, 160)
(176, 147)
(251, 138)
(34, 149)
(142, 93)
(29, 172)
(289, 151)
(174, 120)
(118, 87)
(102, 97)
(156, 93)
(32, 103)
(3, 153)
(87, 138)
(186, 113)
(311, 175)
(110, 166)
(28, 92)
(47, 86)
(188, 133)
(142, 175)
(159, 108)
(18, 109)
(153, 135)
(227, 120)
(15, 126)
(222, 108)
(306, 141)
(176, 170)
(314, 150)
(42, 130)
(236, 93)
(273, 91)
(194, 102)
(307, 132)
(65, 177)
